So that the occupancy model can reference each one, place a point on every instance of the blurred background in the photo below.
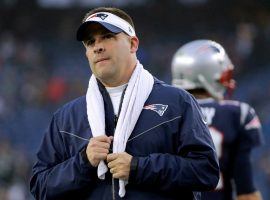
(42, 66)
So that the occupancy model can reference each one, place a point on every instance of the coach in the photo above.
(131, 136)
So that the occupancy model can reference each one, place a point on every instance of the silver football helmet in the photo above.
(203, 64)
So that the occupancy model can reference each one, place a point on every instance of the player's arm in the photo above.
(56, 176)
(249, 137)
(193, 167)
(252, 196)
(243, 176)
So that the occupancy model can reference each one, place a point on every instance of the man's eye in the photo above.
(108, 36)
(90, 42)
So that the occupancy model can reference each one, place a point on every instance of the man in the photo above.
(203, 68)
(131, 136)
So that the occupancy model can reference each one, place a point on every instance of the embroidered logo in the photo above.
(158, 108)
(100, 15)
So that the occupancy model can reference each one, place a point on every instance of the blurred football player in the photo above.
(204, 69)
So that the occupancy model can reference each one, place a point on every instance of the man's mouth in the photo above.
(101, 59)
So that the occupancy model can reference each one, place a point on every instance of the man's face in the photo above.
(109, 55)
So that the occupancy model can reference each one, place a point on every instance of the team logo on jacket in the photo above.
(158, 108)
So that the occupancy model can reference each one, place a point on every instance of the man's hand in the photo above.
(98, 149)
(252, 196)
(119, 164)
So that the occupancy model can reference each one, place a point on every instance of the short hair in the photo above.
(116, 11)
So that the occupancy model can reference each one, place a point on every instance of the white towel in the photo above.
(138, 90)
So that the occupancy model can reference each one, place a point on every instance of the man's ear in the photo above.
(134, 42)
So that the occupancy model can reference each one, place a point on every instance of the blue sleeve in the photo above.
(56, 176)
(250, 136)
(243, 176)
(250, 133)
(194, 166)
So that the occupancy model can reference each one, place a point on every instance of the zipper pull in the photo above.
(115, 121)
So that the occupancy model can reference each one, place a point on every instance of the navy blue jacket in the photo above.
(174, 150)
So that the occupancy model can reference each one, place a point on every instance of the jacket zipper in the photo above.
(113, 191)
(113, 186)
(115, 123)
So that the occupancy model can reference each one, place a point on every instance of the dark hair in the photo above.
(116, 11)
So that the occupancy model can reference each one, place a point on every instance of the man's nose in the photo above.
(98, 47)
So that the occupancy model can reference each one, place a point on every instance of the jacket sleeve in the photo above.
(193, 167)
(56, 176)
